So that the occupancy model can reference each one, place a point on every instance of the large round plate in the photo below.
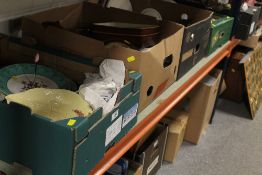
(20, 77)
(152, 12)
(121, 4)
(55, 104)
(170, 1)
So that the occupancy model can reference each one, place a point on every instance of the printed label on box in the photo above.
(114, 115)
(129, 115)
(113, 130)
(156, 143)
(71, 122)
(152, 165)
(161, 88)
(131, 59)
(252, 27)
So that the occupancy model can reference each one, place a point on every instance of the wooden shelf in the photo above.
(162, 105)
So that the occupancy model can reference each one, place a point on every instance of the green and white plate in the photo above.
(20, 77)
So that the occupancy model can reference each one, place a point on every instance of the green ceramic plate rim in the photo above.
(18, 69)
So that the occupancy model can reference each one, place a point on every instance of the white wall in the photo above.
(11, 9)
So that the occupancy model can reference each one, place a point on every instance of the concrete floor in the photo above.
(232, 145)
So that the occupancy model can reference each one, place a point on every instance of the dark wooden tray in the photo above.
(135, 35)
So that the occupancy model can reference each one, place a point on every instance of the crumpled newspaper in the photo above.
(101, 90)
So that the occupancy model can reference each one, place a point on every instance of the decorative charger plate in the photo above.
(123, 4)
(55, 104)
(152, 12)
(20, 77)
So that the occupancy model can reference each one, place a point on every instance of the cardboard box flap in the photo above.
(172, 33)
(87, 149)
(209, 80)
(177, 114)
(53, 15)
(167, 9)
(175, 127)
(62, 36)
(157, 53)
(152, 140)
(176, 120)
(70, 18)
(183, 118)
(83, 125)
(35, 127)
(168, 28)
(216, 73)
(82, 16)
(67, 17)
(73, 18)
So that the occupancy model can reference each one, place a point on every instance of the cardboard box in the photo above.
(197, 32)
(56, 148)
(7, 169)
(151, 153)
(223, 87)
(119, 168)
(160, 61)
(235, 78)
(202, 101)
(221, 28)
(253, 40)
(247, 22)
(13, 169)
(230, 8)
(176, 130)
(134, 168)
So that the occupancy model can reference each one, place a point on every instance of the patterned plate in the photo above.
(20, 77)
